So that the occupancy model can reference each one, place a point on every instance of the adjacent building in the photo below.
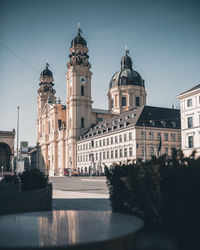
(190, 120)
(76, 135)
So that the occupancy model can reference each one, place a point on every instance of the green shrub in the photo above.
(162, 191)
(33, 179)
(12, 179)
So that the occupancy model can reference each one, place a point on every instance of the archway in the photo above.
(5, 156)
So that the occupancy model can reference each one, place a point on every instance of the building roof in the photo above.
(126, 76)
(147, 116)
(159, 117)
(100, 111)
(194, 88)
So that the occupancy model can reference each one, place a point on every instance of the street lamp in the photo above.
(144, 141)
(17, 139)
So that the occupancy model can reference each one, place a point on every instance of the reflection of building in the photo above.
(7, 149)
(65, 132)
(62, 229)
(190, 120)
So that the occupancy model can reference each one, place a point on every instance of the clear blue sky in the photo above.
(163, 38)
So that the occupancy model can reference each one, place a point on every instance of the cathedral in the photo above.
(75, 135)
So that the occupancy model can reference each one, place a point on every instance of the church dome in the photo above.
(78, 40)
(46, 71)
(126, 76)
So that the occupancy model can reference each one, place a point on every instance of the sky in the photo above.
(163, 38)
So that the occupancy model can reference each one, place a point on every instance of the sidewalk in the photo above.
(59, 194)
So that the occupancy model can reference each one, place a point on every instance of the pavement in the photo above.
(80, 193)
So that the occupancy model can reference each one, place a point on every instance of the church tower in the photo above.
(79, 101)
(46, 94)
(127, 89)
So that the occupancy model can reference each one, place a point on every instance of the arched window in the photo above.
(82, 122)
(123, 101)
(82, 91)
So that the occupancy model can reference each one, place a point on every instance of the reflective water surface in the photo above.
(65, 227)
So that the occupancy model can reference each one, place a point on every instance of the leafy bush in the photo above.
(12, 179)
(33, 179)
(162, 191)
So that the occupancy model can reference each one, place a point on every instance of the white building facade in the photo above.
(190, 120)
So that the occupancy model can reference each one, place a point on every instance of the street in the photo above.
(80, 193)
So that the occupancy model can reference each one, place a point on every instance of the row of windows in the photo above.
(152, 151)
(124, 102)
(107, 141)
(106, 155)
(151, 136)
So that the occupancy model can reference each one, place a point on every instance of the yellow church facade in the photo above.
(75, 135)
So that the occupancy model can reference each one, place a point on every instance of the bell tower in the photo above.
(79, 101)
(46, 94)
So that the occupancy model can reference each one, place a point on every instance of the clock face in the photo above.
(82, 79)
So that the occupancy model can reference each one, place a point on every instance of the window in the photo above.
(123, 101)
(151, 151)
(100, 119)
(165, 136)
(189, 102)
(173, 137)
(120, 153)
(158, 136)
(120, 138)
(107, 141)
(104, 141)
(116, 139)
(111, 154)
(190, 142)
(99, 143)
(96, 144)
(82, 91)
(137, 101)
(104, 155)
(143, 135)
(83, 146)
(111, 140)
(116, 153)
(78, 158)
(190, 122)
(96, 156)
(179, 136)
(86, 157)
(143, 151)
(125, 152)
(166, 151)
(125, 137)
(82, 122)
(130, 152)
(130, 136)
(107, 154)
(112, 103)
(99, 155)
(86, 146)
(151, 135)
